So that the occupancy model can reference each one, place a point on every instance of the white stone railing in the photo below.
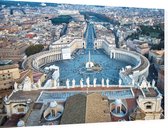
(17, 101)
(62, 95)
(84, 86)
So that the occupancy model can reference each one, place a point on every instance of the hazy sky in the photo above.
(126, 3)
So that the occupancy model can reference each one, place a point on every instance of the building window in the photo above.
(20, 109)
(148, 106)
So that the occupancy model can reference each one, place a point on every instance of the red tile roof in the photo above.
(37, 76)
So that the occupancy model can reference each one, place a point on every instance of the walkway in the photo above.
(48, 96)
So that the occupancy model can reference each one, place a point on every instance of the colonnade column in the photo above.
(112, 54)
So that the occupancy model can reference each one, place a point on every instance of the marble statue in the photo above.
(153, 83)
(15, 86)
(148, 84)
(138, 85)
(107, 82)
(88, 82)
(5, 98)
(120, 81)
(102, 82)
(54, 83)
(20, 87)
(144, 84)
(67, 83)
(39, 83)
(133, 82)
(73, 83)
(81, 83)
(94, 82)
(34, 86)
(58, 84)
(27, 84)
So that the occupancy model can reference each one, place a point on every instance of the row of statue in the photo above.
(87, 82)
(26, 85)
(102, 82)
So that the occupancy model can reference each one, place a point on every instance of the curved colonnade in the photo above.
(38, 60)
(141, 63)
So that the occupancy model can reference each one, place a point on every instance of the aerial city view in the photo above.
(70, 64)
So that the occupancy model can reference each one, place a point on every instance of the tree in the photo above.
(33, 49)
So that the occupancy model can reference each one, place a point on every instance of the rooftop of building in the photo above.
(25, 95)
(158, 52)
(140, 42)
(13, 120)
(75, 107)
(150, 92)
(138, 114)
(14, 46)
(34, 94)
(65, 40)
(34, 114)
(37, 76)
(143, 46)
(5, 62)
(86, 108)
(24, 74)
(7, 67)
(3, 93)
(3, 118)
(161, 70)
